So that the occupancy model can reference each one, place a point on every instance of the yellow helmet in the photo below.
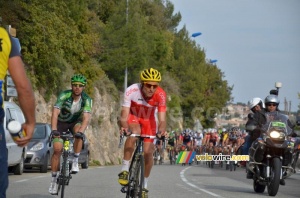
(150, 75)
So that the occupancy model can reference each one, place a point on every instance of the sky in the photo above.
(255, 42)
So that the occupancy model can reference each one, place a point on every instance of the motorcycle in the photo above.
(267, 154)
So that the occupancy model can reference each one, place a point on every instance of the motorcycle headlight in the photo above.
(37, 147)
(277, 135)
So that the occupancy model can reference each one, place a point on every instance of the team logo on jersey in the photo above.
(131, 91)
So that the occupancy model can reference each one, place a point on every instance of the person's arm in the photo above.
(162, 122)
(25, 97)
(55, 113)
(87, 114)
(124, 117)
(85, 121)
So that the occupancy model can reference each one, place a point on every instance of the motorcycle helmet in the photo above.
(272, 99)
(256, 101)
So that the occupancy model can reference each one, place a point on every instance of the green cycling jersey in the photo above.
(69, 110)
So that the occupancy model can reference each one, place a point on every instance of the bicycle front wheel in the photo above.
(63, 176)
(139, 177)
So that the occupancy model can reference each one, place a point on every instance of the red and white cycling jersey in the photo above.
(142, 111)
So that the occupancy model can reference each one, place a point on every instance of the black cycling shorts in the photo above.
(64, 126)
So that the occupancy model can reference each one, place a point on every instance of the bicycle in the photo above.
(232, 164)
(158, 154)
(136, 169)
(64, 176)
(172, 155)
(197, 150)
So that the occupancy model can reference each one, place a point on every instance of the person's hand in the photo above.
(29, 130)
(161, 134)
(55, 133)
(125, 131)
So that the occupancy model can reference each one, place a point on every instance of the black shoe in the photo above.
(282, 182)
(249, 175)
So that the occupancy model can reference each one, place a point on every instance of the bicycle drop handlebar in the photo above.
(138, 135)
(63, 135)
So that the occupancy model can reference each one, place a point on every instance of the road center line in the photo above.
(194, 186)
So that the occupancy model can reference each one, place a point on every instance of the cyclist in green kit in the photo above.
(72, 111)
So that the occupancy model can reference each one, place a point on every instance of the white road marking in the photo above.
(194, 186)
(24, 180)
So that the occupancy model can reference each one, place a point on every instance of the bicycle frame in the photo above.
(136, 170)
(64, 174)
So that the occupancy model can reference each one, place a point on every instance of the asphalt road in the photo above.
(165, 181)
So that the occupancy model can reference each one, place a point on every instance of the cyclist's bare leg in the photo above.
(130, 141)
(78, 141)
(129, 148)
(57, 149)
(225, 150)
(148, 155)
(173, 150)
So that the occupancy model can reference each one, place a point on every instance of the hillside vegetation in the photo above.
(98, 39)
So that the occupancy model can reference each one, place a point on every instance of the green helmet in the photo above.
(78, 78)
(171, 134)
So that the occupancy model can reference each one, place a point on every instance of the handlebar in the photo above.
(63, 135)
(138, 135)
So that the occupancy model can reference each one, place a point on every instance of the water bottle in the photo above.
(15, 129)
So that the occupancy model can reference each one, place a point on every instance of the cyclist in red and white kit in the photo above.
(138, 116)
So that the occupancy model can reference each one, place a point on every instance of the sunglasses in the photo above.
(149, 86)
(77, 85)
(271, 104)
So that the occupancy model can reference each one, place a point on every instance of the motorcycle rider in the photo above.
(257, 118)
(261, 117)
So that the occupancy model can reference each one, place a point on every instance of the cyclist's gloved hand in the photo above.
(161, 134)
(125, 131)
(55, 133)
(79, 135)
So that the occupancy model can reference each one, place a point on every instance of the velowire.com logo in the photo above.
(222, 157)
